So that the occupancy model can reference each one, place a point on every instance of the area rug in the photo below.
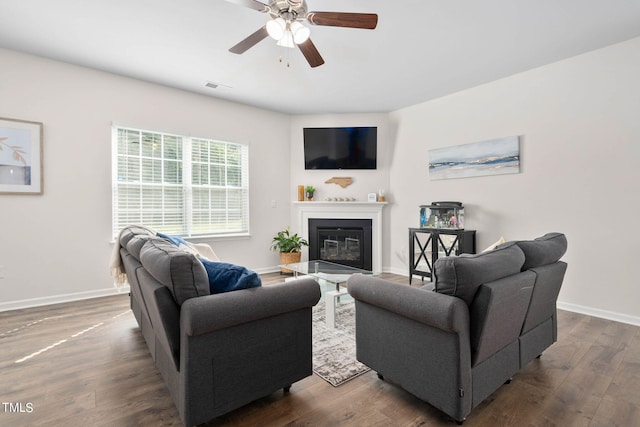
(334, 350)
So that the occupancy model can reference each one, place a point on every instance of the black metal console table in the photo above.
(427, 244)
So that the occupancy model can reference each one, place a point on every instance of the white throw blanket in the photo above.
(115, 265)
(201, 250)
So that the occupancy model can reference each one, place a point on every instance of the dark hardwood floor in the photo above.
(86, 364)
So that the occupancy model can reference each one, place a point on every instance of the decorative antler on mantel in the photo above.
(342, 181)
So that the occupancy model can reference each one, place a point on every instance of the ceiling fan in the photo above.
(284, 25)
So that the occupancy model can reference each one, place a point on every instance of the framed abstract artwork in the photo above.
(493, 157)
(20, 157)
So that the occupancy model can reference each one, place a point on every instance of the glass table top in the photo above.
(325, 270)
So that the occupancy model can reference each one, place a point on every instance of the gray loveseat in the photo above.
(492, 314)
(216, 352)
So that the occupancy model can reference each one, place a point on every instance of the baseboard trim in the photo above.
(575, 308)
(398, 271)
(58, 299)
(596, 312)
(266, 270)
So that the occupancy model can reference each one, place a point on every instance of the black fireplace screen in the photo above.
(346, 242)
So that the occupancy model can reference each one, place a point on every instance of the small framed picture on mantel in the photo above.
(20, 157)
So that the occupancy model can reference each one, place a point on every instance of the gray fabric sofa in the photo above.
(216, 352)
(490, 315)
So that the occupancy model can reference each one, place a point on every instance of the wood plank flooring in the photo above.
(86, 364)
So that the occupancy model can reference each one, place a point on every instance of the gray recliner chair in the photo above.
(490, 315)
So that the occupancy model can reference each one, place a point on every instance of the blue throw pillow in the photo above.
(176, 240)
(225, 277)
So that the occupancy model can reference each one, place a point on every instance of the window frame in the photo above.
(227, 193)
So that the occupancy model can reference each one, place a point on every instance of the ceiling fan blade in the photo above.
(251, 4)
(368, 21)
(310, 52)
(250, 41)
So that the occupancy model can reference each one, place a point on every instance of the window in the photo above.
(179, 185)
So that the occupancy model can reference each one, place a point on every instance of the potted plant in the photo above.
(289, 245)
(309, 190)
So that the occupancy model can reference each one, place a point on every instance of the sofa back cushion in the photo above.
(497, 314)
(549, 279)
(164, 315)
(544, 250)
(181, 272)
(135, 244)
(461, 276)
(127, 233)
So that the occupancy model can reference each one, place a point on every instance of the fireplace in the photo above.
(372, 211)
(342, 241)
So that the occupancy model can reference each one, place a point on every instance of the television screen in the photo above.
(340, 148)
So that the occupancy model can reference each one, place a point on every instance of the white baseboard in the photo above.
(596, 312)
(266, 270)
(398, 271)
(575, 308)
(57, 299)
(589, 311)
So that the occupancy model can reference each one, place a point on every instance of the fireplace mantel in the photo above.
(345, 210)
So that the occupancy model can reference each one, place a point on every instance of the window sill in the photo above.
(216, 237)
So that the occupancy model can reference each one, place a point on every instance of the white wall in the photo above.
(364, 181)
(57, 246)
(580, 169)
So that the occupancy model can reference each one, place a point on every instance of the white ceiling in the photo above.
(422, 49)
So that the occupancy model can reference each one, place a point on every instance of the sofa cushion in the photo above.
(225, 277)
(543, 250)
(461, 276)
(135, 244)
(181, 272)
(127, 233)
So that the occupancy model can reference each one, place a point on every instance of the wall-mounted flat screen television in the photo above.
(340, 148)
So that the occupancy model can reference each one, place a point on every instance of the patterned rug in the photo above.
(334, 350)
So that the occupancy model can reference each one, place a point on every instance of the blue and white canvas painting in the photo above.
(494, 157)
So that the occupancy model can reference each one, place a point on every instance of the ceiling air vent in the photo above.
(214, 85)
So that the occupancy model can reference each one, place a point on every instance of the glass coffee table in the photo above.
(330, 273)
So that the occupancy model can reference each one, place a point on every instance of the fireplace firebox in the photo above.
(343, 241)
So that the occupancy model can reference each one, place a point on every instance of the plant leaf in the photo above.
(19, 158)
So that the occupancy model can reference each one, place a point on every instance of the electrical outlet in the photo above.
(274, 203)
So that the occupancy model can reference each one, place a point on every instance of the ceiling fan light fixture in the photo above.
(276, 28)
(300, 32)
(284, 24)
(287, 40)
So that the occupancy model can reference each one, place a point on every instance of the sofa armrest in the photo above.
(444, 312)
(213, 312)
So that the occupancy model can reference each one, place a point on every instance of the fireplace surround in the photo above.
(344, 210)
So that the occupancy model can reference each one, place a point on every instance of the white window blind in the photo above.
(178, 184)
